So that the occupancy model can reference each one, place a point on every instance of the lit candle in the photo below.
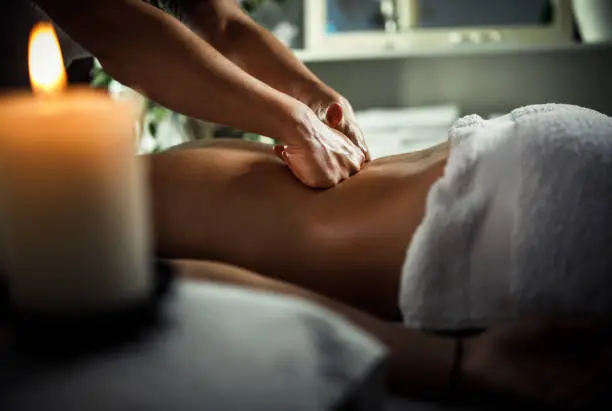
(73, 213)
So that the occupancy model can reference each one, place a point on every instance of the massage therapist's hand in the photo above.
(551, 362)
(318, 155)
(339, 114)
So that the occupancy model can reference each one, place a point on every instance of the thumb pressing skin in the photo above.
(334, 115)
(280, 152)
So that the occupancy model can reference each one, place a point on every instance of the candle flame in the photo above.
(46, 64)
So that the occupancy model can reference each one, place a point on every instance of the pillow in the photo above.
(216, 347)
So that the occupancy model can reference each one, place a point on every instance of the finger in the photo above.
(346, 167)
(356, 160)
(364, 148)
(352, 162)
(335, 171)
(366, 154)
(321, 182)
(355, 166)
(361, 143)
(285, 157)
(334, 115)
(355, 135)
(312, 175)
(279, 150)
(343, 175)
(336, 118)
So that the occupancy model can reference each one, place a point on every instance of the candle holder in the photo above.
(59, 335)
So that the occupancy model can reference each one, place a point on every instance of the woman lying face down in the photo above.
(501, 228)
(235, 201)
(511, 222)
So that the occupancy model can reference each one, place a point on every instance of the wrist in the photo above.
(294, 123)
(473, 368)
(455, 377)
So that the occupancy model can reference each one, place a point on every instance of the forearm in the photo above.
(419, 364)
(256, 50)
(151, 51)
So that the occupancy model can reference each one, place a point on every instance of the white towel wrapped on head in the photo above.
(521, 222)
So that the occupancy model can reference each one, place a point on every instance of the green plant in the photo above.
(151, 114)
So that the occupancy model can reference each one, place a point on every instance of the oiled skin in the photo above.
(236, 202)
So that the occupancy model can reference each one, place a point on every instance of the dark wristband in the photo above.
(454, 378)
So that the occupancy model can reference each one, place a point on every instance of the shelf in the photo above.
(453, 51)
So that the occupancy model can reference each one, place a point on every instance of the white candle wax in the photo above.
(72, 203)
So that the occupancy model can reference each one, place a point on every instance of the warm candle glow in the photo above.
(46, 64)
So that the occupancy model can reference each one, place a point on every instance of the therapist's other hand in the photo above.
(339, 114)
(556, 363)
(319, 155)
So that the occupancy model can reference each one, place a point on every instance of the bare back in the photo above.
(236, 202)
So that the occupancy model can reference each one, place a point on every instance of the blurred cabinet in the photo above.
(464, 69)
(374, 28)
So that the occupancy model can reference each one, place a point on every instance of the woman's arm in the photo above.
(153, 52)
(420, 364)
(260, 53)
(255, 49)
(557, 363)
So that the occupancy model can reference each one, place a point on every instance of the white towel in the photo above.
(521, 222)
